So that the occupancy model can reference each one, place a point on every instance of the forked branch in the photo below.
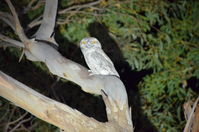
(18, 27)
(47, 109)
(114, 93)
(14, 43)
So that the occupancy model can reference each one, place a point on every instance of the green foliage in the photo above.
(162, 38)
(165, 38)
(74, 32)
(35, 13)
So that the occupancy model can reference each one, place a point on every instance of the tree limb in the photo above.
(46, 29)
(114, 92)
(47, 109)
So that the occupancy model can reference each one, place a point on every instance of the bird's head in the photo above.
(90, 43)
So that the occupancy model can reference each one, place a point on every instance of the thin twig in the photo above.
(70, 10)
(12, 41)
(53, 90)
(7, 18)
(32, 125)
(10, 117)
(33, 7)
(71, 14)
(20, 123)
(5, 114)
(22, 129)
(17, 120)
(39, 3)
(79, 7)
(30, 4)
(35, 22)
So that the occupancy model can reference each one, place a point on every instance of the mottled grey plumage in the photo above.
(96, 59)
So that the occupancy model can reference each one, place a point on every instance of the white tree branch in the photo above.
(46, 28)
(47, 109)
(111, 87)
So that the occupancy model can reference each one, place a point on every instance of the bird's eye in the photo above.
(83, 42)
(93, 42)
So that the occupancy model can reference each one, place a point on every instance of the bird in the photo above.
(96, 59)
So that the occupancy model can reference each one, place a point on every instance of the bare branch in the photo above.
(115, 114)
(70, 10)
(49, 110)
(35, 22)
(68, 19)
(46, 28)
(10, 42)
(17, 120)
(7, 18)
(52, 111)
(5, 114)
(10, 116)
(20, 123)
(63, 21)
(79, 7)
(18, 27)
(31, 5)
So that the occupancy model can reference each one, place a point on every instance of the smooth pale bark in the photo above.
(49, 110)
(46, 28)
(72, 71)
